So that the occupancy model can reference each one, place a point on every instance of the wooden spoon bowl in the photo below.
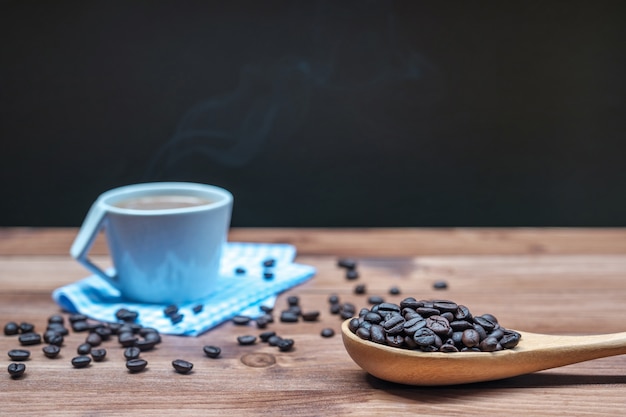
(535, 352)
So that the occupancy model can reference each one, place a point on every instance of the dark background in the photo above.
(319, 113)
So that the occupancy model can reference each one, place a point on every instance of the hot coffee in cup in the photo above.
(165, 239)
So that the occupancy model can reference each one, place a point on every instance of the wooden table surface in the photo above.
(559, 281)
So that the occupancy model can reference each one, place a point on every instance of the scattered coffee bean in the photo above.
(126, 315)
(51, 351)
(177, 318)
(81, 361)
(56, 318)
(98, 355)
(132, 353)
(274, 340)
(375, 299)
(58, 328)
(127, 339)
(285, 345)
(241, 320)
(333, 299)
(269, 263)
(170, 310)
(310, 315)
(327, 332)
(94, 339)
(145, 345)
(19, 354)
(394, 290)
(11, 328)
(77, 317)
(240, 271)
(288, 317)
(80, 326)
(347, 263)
(136, 365)
(16, 370)
(182, 366)
(28, 339)
(352, 274)
(440, 285)
(212, 351)
(263, 321)
(268, 275)
(360, 289)
(266, 335)
(197, 308)
(246, 340)
(27, 327)
(83, 349)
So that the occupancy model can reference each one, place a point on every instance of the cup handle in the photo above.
(94, 222)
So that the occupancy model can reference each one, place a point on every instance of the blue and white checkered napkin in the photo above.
(236, 294)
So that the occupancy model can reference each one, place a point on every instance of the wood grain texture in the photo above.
(575, 284)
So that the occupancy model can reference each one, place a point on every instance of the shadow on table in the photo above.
(535, 380)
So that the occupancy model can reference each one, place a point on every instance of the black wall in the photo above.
(319, 113)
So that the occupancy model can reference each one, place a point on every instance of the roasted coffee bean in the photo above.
(394, 324)
(262, 321)
(448, 348)
(510, 339)
(460, 325)
(413, 325)
(409, 313)
(152, 336)
(170, 310)
(246, 340)
(365, 324)
(375, 299)
(77, 317)
(470, 338)
(81, 361)
(83, 349)
(132, 352)
(439, 325)
(373, 318)
(16, 370)
(353, 324)
(58, 328)
(377, 334)
(363, 333)
(56, 318)
(212, 351)
(268, 275)
(51, 351)
(347, 263)
(145, 345)
(94, 339)
(346, 314)
(53, 338)
(394, 290)
(490, 344)
(197, 308)
(80, 326)
(440, 285)
(497, 333)
(240, 271)
(424, 337)
(127, 339)
(335, 308)
(485, 322)
(388, 308)
(448, 316)
(126, 315)
(98, 355)
(27, 327)
(463, 313)
(241, 320)
(115, 328)
(176, 318)
(269, 263)
(288, 317)
(274, 340)
(333, 299)
(182, 366)
(395, 340)
(136, 365)
(445, 305)
(285, 345)
(360, 289)
(266, 335)
(28, 339)
(293, 300)
(327, 332)
(11, 328)
(481, 331)
(352, 274)
(297, 310)
(104, 332)
(427, 311)
(19, 354)
(311, 315)
(411, 303)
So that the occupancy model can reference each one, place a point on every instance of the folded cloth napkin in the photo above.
(237, 292)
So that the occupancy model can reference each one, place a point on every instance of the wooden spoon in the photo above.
(535, 352)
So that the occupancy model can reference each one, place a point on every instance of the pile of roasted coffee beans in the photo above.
(432, 326)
